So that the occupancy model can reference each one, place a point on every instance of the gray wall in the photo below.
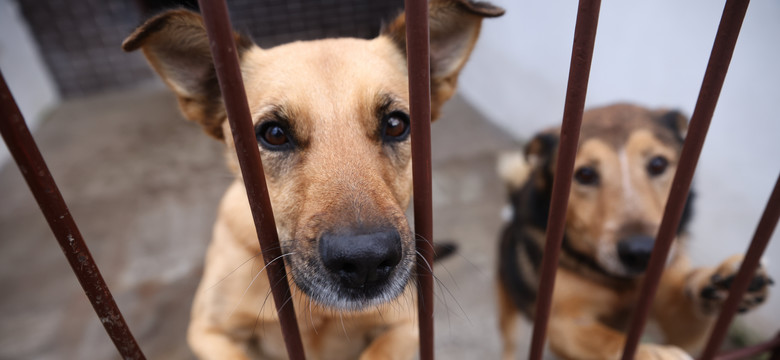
(23, 69)
(81, 39)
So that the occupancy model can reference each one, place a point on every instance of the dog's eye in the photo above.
(586, 175)
(273, 136)
(657, 165)
(395, 126)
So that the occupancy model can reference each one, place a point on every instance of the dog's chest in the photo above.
(324, 338)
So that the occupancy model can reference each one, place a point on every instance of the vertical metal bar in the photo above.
(27, 156)
(722, 50)
(579, 73)
(766, 227)
(745, 353)
(223, 50)
(418, 58)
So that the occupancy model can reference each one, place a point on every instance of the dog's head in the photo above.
(332, 123)
(623, 172)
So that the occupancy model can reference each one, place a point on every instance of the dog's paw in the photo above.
(661, 352)
(714, 289)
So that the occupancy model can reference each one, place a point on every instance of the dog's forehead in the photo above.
(614, 125)
(325, 73)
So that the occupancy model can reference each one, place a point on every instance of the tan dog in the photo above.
(623, 173)
(332, 124)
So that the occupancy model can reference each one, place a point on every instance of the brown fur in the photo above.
(331, 94)
(594, 290)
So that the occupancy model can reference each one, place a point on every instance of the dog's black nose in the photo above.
(361, 259)
(635, 251)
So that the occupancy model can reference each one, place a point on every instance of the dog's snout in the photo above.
(361, 259)
(634, 252)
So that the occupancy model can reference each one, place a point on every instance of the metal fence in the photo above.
(215, 15)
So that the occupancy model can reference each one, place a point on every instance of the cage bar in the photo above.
(739, 286)
(32, 166)
(418, 58)
(579, 73)
(722, 50)
(223, 50)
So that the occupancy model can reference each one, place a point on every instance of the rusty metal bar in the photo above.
(418, 58)
(722, 50)
(27, 156)
(744, 353)
(739, 286)
(579, 73)
(223, 50)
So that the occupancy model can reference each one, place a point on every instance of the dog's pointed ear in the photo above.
(177, 47)
(675, 121)
(454, 29)
(541, 148)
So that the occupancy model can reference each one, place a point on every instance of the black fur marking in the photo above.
(523, 294)
(532, 204)
(543, 146)
(671, 120)
(583, 259)
(534, 252)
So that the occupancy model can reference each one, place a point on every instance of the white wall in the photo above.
(23, 69)
(653, 53)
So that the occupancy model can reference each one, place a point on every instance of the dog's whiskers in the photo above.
(445, 288)
(232, 271)
(253, 281)
(265, 300)
(341, 316)
(430, 269)
(238, 267)
(311, 319)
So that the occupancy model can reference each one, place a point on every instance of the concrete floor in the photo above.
(143, 185)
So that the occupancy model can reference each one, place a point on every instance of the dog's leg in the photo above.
(508, 315)
(576, 331)
(212, 343)
(400, 342)
(676, 307)
(689, 300)
(227, 304)
(584, 337)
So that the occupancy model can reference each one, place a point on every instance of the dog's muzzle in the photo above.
(355, 268)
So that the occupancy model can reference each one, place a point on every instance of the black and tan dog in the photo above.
(332, 124)
(623, 172)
